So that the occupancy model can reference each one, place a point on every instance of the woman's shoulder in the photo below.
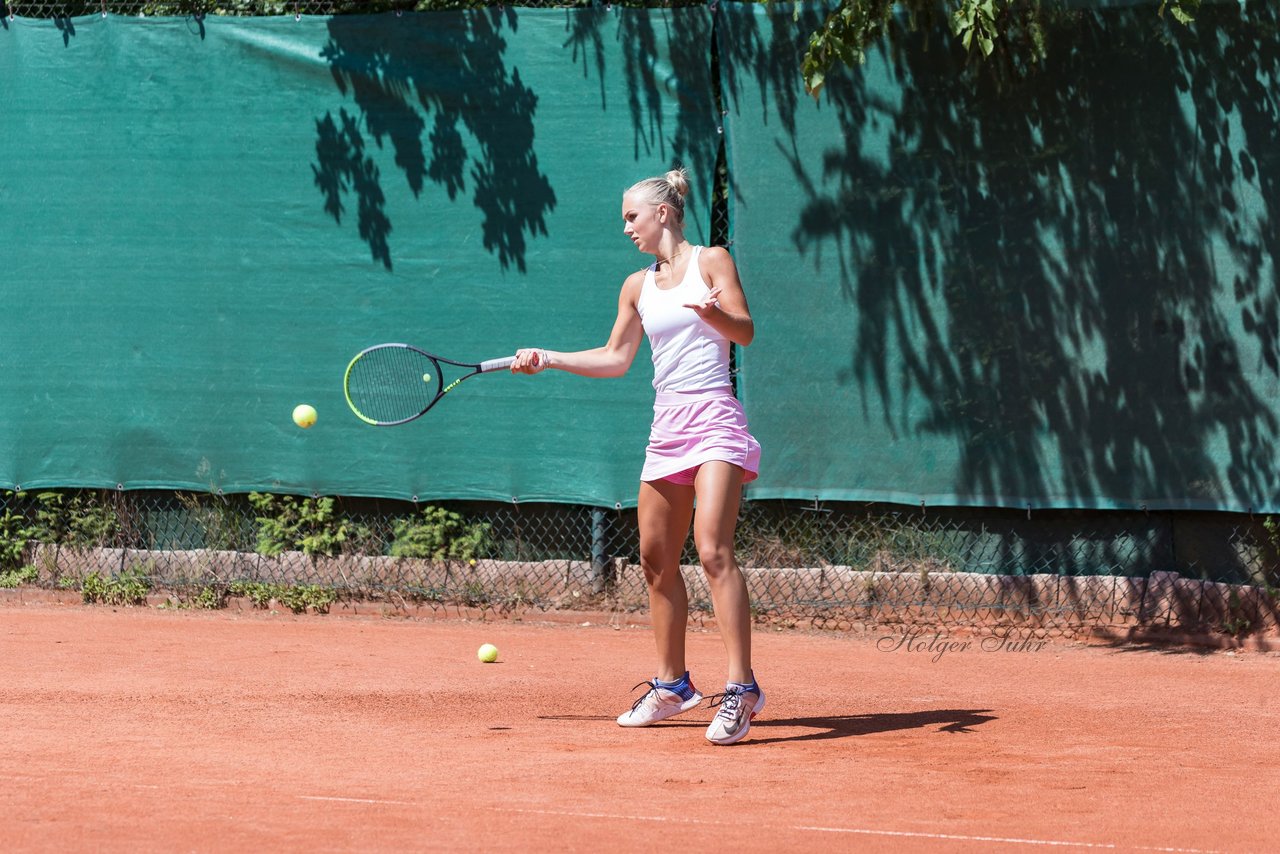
(636, 279)
(634, 283)
(715, 262)
(715, 255)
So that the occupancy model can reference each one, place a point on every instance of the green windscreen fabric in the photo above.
(207, 217)
(1056, 293)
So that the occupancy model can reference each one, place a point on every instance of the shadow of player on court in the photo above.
(823, 727)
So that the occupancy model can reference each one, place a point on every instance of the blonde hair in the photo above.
(669, 189)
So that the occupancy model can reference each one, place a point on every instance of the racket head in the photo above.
(390, 384)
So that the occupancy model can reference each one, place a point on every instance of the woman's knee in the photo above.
(657, 566)
(716, 558)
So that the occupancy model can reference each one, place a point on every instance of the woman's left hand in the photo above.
(707, 304)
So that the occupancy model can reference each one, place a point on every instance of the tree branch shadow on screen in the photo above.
(449, 67)
(1076, 273)
(659, 52)
(826, 727)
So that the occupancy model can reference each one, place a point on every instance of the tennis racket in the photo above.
(390, 384)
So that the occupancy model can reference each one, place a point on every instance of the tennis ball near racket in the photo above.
(488, 653)
(304, 415)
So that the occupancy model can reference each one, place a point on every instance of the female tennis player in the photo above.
(691, 305)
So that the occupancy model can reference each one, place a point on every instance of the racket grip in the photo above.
(496, 364)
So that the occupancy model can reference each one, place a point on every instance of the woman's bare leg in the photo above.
(664, 511)
(719, 491)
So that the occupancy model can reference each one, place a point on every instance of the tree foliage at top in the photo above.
(1013, 29)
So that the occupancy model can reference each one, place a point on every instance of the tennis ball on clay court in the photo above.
(488, 653)
(304, 415)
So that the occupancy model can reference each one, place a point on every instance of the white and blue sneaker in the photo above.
(661, 701)
(738, 705)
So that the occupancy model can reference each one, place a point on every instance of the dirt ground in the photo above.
(141, 729)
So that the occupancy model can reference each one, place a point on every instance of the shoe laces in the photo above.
(730, 703)
(653, 687)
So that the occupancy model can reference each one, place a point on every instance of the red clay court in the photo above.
(148, 730)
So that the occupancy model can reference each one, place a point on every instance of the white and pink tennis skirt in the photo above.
(695, 427)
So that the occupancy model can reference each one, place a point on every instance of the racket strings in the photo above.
(389, 384)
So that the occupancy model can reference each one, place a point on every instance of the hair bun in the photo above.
(679, 181)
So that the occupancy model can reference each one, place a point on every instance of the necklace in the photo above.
(662, 261)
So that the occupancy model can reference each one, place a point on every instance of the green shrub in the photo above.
(15, 536)
(438, 534)
(297, 597)
(309, 525)
(18, 577)
(130, 588)
(73, 520)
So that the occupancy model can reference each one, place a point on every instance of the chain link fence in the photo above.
(808, 565)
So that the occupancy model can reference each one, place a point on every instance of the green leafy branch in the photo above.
(981, 26)
(1183, 11)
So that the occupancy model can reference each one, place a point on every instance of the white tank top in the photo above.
(688, 353)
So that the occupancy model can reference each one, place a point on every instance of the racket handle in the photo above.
(496, 364)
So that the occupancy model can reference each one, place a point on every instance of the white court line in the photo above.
(950, 837)
(357, 800)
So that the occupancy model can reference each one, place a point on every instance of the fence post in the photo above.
(599, 559)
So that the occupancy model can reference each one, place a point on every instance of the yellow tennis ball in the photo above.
(488, 653)
(304, 415)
